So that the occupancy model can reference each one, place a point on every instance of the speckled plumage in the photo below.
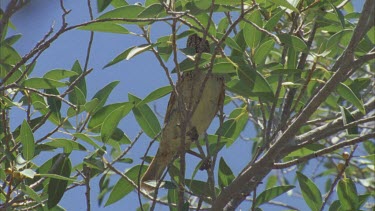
(211, 99)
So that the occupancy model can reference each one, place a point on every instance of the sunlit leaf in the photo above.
(310, 192)
(111, 121)
(347, 193)
(105, 27)
(145, 117)
(225, 174)
(27, 140)
(43, 83)
(156, 94)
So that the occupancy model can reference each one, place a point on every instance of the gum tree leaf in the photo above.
(272, 193)
(310, 192)
(105, 27)
(145, 117)
(27, 140)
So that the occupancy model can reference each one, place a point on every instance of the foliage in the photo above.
(301, 73)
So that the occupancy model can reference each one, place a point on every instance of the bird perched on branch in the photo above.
(202, 95)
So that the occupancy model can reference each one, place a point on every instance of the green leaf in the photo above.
(225, 174)
(347, 194)
(102, 4)
(129, 53)
(271, 23)
(27, 140)
(233, 127)
(111, 121)
(8, 55)
(56, 176)
(43, 83)
(348, 118)
(152, 11)
(164, 47)
(11, 40)
(77, 97)
(54, 104)
(124, 187)
(285, 3)
(91, 105)
(251, 34)
(102, 95)
(293, 42)
(88, 140)
(339, 15)
(251, 83)
(58, 74)
(67, 144)
(232, 44)
(310, 192)
(145, 117)
(172, 199)
(57, 187)
(335, 206)
(223, 25)
(97, 119)
(228, 128)
(128, 12)
(263, 51)
(306, 150)
(346, 93)
(203, 18)
(224, 65)
(271, 193)
(105, 27)
(119, 3)
(31, 193)
(81, 85)
(189, 63)
(199, 187)
(336, 39)
(156, 94)
(286, 71)
(292, 58)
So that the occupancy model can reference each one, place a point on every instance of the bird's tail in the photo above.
(155, 169)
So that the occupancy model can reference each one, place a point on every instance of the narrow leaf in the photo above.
(151, 11)
(348, 118)
(57, 187)
(286, 4)
(310, 192)
(145, 117)
(58, 74)
(271, 193)
(124, 187)
(225, 174)
(293, 42)
(27, 140)
(111, 121)
(42, 83)
(347, 193)
(102, 95)
(105, 27)
(156, 94)
(346, 93)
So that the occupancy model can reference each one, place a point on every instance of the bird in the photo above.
(203, 110)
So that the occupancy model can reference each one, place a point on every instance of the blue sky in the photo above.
(139, 76)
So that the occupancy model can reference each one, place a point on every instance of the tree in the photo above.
(301, 73)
